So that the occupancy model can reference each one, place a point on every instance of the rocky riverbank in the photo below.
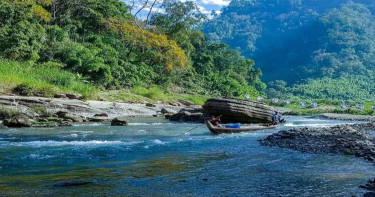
(354, 139)
(23, 111)
(27, 105)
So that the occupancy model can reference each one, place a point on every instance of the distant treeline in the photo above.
(305, 48)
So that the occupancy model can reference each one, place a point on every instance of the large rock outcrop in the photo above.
(189, 114)
(237, 110)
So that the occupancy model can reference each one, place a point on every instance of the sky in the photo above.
(205, 6)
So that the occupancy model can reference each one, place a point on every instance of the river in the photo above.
(154, 157)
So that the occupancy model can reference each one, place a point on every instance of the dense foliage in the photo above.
(295, 42)
(101, 43)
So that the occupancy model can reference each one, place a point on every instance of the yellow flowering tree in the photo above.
(167, 51)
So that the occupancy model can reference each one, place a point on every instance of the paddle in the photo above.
(187, 132)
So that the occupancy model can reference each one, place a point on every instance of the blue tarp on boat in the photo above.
(234, 126)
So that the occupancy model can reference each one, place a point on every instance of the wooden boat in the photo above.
(218, 130)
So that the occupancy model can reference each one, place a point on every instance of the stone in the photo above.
(67, 116)
(238, 110)
(185, 102)
(168, 116)
(168, 111)
(65, 123)
(193, 117)
(42, 120)
(173, 104)
(194, 114)
(74, 96)
(150, 105)
(61, 114)
(59, 95)
(21, 120)
(74, 118)
(119, 122)
(101, 115)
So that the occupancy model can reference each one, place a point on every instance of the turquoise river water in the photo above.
(154, 157)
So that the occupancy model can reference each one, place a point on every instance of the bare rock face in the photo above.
(237, 110)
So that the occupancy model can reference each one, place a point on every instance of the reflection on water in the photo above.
(153, 157)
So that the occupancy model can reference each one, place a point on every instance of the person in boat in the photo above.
(276, 119)
(215, 121)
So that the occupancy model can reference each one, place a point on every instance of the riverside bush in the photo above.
(41, 110)
(154, 93)
(7, 113)
(26, 89)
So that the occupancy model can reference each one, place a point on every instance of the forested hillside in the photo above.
(307, 48)
(49, 46)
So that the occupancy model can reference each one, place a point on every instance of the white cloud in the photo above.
(205, 6)
(203, 9)
(216, 2)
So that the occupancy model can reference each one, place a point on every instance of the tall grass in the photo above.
(42, 80)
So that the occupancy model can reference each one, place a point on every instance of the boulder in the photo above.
(74, 96)
(193, 117)
(195, 114)
(238, 110)
(101, 115)
(119, 122)
(185, 102)
(150, 105)
(193, 109)
(168, 111)
(98, 119)
(40, 119)
(59, 95)
(66, 123)
(74, 118)
(21, 120)
(67, 116)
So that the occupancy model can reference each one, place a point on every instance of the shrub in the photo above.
(26, 89)
(154, 93)
(7, 113)
(41, 110)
